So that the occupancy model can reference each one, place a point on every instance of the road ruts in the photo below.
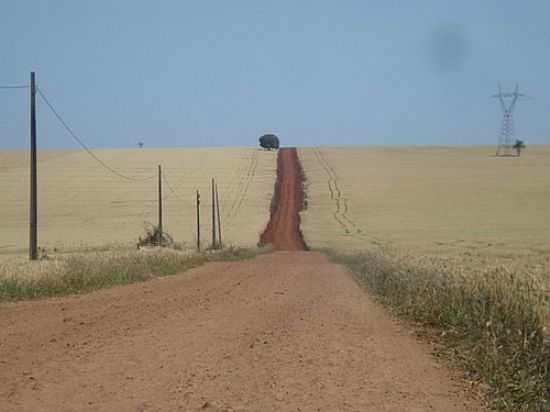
(340, 213)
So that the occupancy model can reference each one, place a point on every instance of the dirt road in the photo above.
(283, 229)
(286, 331)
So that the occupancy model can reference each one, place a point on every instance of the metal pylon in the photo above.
(507, 134)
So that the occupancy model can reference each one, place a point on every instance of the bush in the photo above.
(155, 237)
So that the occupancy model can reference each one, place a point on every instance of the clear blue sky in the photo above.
(221, 73)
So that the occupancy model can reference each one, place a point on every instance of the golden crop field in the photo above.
(454, 202)
(82, 206)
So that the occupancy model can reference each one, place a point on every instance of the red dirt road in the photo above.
(285, 331)
(283, 229)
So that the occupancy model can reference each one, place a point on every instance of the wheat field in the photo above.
(83, 206)
(462, 204)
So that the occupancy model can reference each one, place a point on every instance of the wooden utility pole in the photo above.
(33, 229)
(213, 217)
(219, 222)
(160, 207)
(198, 221)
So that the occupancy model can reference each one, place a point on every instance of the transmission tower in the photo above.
(506, 136)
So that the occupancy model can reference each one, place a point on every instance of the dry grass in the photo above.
(83, 207)
(12, 159)
(452, 237)
(492, 322)
(73, 273)
(458, 203)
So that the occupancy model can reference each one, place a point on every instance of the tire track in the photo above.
(235, 189)
(235, 192)
(340, 213)
(250, 178)
(243, 186)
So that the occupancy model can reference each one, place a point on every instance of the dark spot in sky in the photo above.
(447, 49)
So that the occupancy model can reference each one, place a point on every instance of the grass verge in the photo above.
(494, 323)
(83, 273)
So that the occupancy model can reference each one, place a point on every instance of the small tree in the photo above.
(269, 141)
(519, 146)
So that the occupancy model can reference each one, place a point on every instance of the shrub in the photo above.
(154, 236)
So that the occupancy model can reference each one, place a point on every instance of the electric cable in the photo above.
(84, 146)
(15, 87)
(170, 187)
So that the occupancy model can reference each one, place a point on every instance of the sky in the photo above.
(220, 73)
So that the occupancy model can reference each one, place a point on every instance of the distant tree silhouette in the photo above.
(269, 141)
(519, 146)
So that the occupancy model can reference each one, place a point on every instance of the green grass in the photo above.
(84, 273)
(494, 323)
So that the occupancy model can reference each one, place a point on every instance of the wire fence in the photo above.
(89, 200)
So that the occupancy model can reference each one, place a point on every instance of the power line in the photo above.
(15, 87)
(170, 187)
(86, 148)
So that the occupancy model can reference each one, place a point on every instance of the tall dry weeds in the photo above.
(494, 320)
(77, 273)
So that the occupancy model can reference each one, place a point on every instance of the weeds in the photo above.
(155, 236)
(87, 272)
(494, 321)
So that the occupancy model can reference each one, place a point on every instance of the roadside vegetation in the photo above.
(78, 273)
(492, 322)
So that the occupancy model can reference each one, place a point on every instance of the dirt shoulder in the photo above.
(280, 332)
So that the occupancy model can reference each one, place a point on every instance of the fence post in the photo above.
(198, 221)
(219, 221)
(213, 217)
(160, 208)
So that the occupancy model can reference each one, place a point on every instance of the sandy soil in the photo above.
(286, 331)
